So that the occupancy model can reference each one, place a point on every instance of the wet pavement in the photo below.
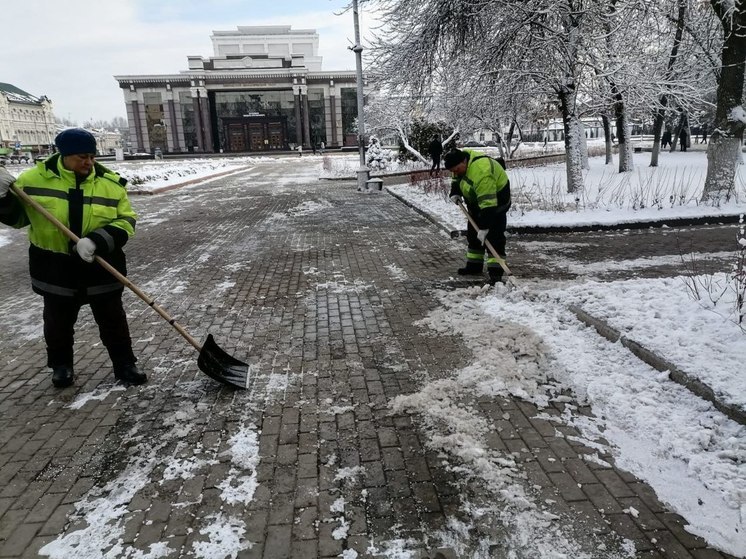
(320, 289)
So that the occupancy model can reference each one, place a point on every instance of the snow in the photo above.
(737, 114)
(691, 454)
(4, 238)
(225, 538)
(95, 395)
(650, 312)
(669, 191)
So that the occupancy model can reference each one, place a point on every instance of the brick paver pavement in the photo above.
(320, 289)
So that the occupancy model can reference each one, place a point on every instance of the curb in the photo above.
(696, 386)
(187, 183)
(664, 222)
(423, 213)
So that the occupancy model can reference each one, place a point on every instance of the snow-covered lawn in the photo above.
(668, 191)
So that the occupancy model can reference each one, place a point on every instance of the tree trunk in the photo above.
(607, 137)
(677, 131)
(583, 146)
(725, 141)
(622, 132)
(657, 128)
(405, 142)
(573, 159)
(519, 141)
(722, 161)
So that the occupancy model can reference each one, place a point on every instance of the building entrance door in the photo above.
(255, 133)
(236, 138)
(276, 136)
(256, 136)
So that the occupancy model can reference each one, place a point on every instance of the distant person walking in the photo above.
(322, 147)
(704, 133)
(435, 150)
(666, 138)
(683, 138)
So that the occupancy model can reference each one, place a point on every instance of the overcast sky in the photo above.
(70, 50)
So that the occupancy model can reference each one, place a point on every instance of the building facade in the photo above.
(27, 124)
(264, 90)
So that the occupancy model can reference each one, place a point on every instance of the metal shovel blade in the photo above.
(217, 364)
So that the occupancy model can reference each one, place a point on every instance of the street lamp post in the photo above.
(362, 172)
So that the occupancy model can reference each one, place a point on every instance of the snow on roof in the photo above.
(12, 93)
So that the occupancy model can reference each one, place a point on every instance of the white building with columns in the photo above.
(263, 90)
(26, 121)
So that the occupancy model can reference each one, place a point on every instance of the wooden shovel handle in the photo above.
(108, 267)
(500, 259)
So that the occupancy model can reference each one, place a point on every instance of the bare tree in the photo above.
(660, 111)
(392, 113)
(538, 41)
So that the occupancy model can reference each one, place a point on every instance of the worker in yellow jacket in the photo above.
(92, 202)
(482, 184)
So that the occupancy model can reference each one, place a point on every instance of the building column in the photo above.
(139, 140)
(328, 128)
(207, 132)
(298, 124)
(306, 125)
(169, 120)
(174, 136)
(334, 139)
(202, 124)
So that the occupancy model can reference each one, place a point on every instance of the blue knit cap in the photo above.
(75, 140)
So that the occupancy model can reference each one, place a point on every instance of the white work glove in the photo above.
(457, 199)
(482, 235)
(6, 179)
(86, 249)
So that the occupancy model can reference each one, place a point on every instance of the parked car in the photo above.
(19, 158)
(4, 160)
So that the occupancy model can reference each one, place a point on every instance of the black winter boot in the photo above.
(62, 376)
(129, 374)
(496, 275)
(471, 269)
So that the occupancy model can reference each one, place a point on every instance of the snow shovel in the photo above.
(212, 361)
(500, 260)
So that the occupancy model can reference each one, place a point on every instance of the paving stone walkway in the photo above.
(320, 289)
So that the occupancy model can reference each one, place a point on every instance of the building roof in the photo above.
(264, 30)
(16, 95)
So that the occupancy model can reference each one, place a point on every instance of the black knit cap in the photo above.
(454, 157)
(75, 140)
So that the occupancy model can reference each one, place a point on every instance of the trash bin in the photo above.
(374, 184)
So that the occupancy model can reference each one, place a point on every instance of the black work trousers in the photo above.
(477, 253)
(60, 315)
(496, 236)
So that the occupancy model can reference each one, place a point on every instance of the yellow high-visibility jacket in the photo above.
(485, 187)
(96, 207)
